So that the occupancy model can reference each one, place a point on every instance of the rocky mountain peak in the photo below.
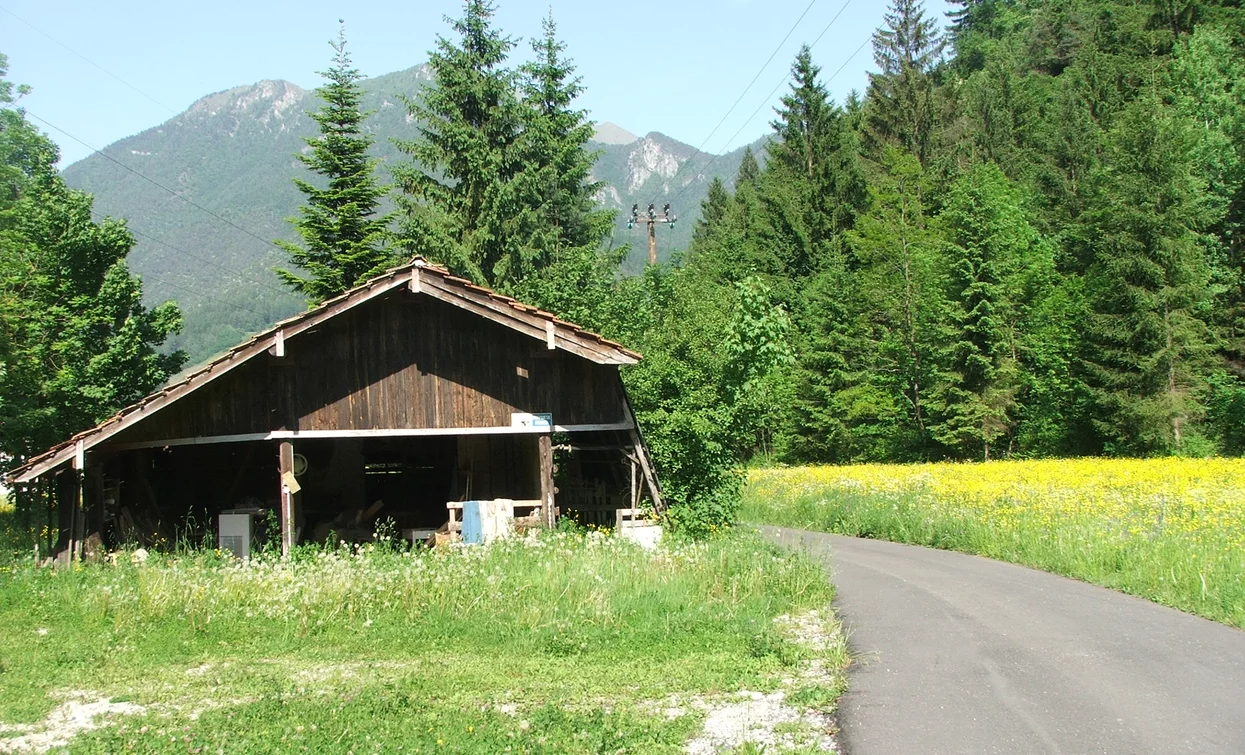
(652, 156)
(261, 101)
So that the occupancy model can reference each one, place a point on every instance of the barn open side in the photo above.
(393, 401)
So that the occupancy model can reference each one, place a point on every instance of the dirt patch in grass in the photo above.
(80, 712)
(798, 716)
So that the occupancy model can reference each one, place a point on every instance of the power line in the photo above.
(192, 255)
(230, 305)
(761, 70)
(154, 182)
(770, 97)
(196, 292)
(88, 60)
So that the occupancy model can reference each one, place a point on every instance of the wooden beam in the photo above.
(641, 454)
(551, 335)
(547, 489)
(650, 478)
(524, 322)
(66, 496)
(450, 431)
(278, 344)
(416, 284)
(397, 432)
(172, 442)
(285, 462)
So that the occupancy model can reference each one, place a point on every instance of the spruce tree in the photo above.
(901, 94)
(972, 16)
(900, 283)
(998, 269)
(727, 243)
(746, 216)
(343, 238)
(456, 190)
(1149, 344)
(811, 190)
(749, 169)
(813, 185)
(556, 257)
(712, 211)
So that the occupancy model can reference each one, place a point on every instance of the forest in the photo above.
(1023, 240)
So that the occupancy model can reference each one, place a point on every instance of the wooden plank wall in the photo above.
(499, 466)
(401, 361)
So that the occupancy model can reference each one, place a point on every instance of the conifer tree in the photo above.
(998, 268)
(747, 216)
(712, 211)
(727, 242)
(749, 169)
(810, 191)
(901, 94)
(456, 198)
(972, 16)
(814, 186)
(1149, 345)
(556, 257)
(828, 346)
(901, 279)
(343, 238)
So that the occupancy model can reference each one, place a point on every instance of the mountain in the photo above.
(230, 158)
(609, 133)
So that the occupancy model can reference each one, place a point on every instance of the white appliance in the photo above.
(235, 533)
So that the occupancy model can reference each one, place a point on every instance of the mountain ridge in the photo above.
(231, 156)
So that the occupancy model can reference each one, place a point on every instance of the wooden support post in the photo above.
(646, 466)
(547, 490)
(652, 242)
(634, 500)
(79, 516)
(66, 490)
(285, 457)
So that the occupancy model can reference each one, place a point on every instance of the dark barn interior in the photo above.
(411, 392)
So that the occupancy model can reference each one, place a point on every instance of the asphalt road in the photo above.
(961, 654)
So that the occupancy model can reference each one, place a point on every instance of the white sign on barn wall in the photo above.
(543, 421)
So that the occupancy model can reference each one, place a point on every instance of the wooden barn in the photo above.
(395, 400)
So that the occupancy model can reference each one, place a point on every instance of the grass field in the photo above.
(561, 643)
(1170, 530)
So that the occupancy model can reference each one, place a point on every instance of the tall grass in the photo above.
(1169, 530)
(413, 647)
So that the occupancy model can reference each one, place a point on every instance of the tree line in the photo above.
(1023, 239)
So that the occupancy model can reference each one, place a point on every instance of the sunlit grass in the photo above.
(1171, 530)
(559, 643)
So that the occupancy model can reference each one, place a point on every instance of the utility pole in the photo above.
(652, 218)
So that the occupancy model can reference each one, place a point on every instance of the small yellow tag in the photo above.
(291, 484)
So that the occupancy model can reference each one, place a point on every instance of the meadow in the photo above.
(1169, 530)
(561, 642)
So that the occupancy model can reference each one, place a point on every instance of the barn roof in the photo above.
(419, 276)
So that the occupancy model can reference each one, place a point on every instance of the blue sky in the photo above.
(674, 67)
